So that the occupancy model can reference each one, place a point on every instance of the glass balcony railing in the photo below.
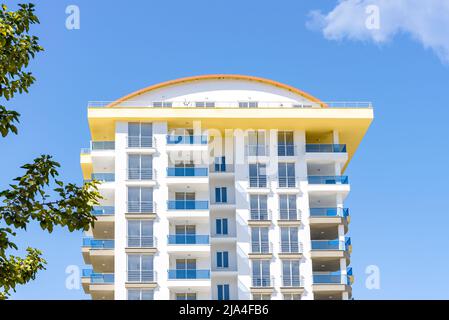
(140, 142)
(331, 244)
(103, 145)
(98, 244)
(188, 239)
(141, 207)
(141, 276)
(106, 278)
(262, 281)
(325, 147)
(181, 274)
(289, 214)
(328, 180)
(187, 172)
(103, 177)
(333, 277)
(188, 204)
(260, 215)
(329, 212)
(286, 150)
(141, 242)
(103, 210)
(186, 139)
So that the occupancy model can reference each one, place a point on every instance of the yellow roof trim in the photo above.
(214, 77)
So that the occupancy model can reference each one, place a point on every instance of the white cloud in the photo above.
(427, 21)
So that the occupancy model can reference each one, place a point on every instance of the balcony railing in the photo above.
(187, 204)
(141, 207)
(101, 278)
(331, 278)
(103, 145)
(140, 173)
(262, 281)
(261, 247)
(187, 172)
(257, 150)
(331, 244)
(186, 139)
(217, 168)
(141, 242)
(258, 182)
(329, 212)
(286, 150)
(188, 239)
(292, 281)
(325, 148)
(103, 177)
(141, 276)
(140, 142)
(260, 214)
(328, 180)
(98, 244)
(181, 274)
(287, 182)
(103, 210)
(289, 214)
(290, 247)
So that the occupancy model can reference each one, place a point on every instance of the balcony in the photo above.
(98, 244)
(259, 217)
(187, 239)
(140, 142)
(99, 253)
(289, 216)
(292, 281)
(141, 276)
(259, 182)
(102, 177)
(261, 250)
(99, 285)
(331, 250)
(290, 248)
(332, 285)
(103, 210)
(286, 150)
(331, 244)
(186, 140)
(187, 172)
(287, 182)
(141, 207)
(262, 281)
(322, 216)
(191, 274)
(328, 180)
(327, 148)
(140, 174)
(187, 205)
(102, 145)
(141, 242)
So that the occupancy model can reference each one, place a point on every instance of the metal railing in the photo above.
(261, 247)
(290, 247)
(287, 182)
(187, 204)
(257, 150)
(186, 139)
(328, 179)
(188, 239)
(217, 168)
(292, 281)
(98, 244)
(258, 181)
(316, 147)
(187, 172)
(286, 150)
(329, 212)
(140, 173)
(140, 142)
(181, 274)
(140, 207)
(141, 242)
(289, 214)
(141, 276)
(103, 210)
(331, 244)
(232, 104)
(260, 214)
(262, 281)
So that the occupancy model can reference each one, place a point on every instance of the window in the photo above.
(257, 175)
(285, 143)
(248, 104)
(207, 104)
(259, 240)
(140, 200)
(292, 296)
(162, 104)
(140, 294)
(220, 164)
(186, 296)
(286, 175)
(290, 273)
(140, 167)
(221, 226)
(261, 273)
(140, 234)
(222, 259)
(221, 195)
(287, 207)
(140, 268)
(140, 135)
(261, 296)
(256, 143)
(258, 207)
(289, 240)
(223, 291)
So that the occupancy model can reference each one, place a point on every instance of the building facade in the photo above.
(221, 187)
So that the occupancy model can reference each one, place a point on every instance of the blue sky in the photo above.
(398, 199)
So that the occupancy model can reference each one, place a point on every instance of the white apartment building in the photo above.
(221, 187)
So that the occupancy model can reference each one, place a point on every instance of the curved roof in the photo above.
(215, 77)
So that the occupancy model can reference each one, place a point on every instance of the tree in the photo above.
(28, 197)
